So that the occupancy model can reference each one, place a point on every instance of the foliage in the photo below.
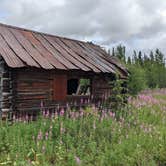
(146, 71)
(90, 137)
(137, 79)
(119, 94)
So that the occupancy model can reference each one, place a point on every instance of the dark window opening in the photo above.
(72, 86)
(78, 87)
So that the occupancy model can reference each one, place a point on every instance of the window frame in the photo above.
(79, 78)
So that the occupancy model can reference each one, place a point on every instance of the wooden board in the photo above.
(60, 87)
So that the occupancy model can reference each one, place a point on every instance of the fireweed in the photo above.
(89, 136)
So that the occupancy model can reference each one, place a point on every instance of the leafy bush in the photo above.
(117, 100)
(137, 80)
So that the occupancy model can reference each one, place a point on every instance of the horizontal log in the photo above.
(33, 93)
(38, 97)
(5, 105)
(33, 76)
(33, 85)
(34, 90)
(6, 94)
(5, 110)
(29, 79)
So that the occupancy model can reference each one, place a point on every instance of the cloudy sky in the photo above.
(137, 24)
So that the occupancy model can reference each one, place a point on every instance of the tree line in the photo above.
(146, 70)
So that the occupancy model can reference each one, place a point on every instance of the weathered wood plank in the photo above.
(77, 60)
(54, 52)
(9, 56)
(51, 59)
(16, 47)
(82, 56)
(31, 50)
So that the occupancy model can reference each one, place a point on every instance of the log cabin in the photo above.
(37, 67)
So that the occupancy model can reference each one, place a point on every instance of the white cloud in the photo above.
(137, 23)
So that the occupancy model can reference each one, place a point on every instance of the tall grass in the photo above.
(90, 137)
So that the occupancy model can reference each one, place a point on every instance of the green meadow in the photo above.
(133, 136)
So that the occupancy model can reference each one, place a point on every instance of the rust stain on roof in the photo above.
(22, 48)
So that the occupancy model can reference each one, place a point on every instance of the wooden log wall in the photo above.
(101, 89)
(24, 89)
(31, 88)
(6, 90)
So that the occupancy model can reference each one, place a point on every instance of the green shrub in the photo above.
(137, 80)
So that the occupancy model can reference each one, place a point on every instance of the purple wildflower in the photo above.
(62, 112)
(39, 137)
(77, 159)
(46, 135)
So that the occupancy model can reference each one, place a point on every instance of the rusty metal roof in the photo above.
(21, 48)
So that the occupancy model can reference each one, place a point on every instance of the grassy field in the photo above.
(135, 135)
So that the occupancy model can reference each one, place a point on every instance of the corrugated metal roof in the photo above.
(21, 47)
